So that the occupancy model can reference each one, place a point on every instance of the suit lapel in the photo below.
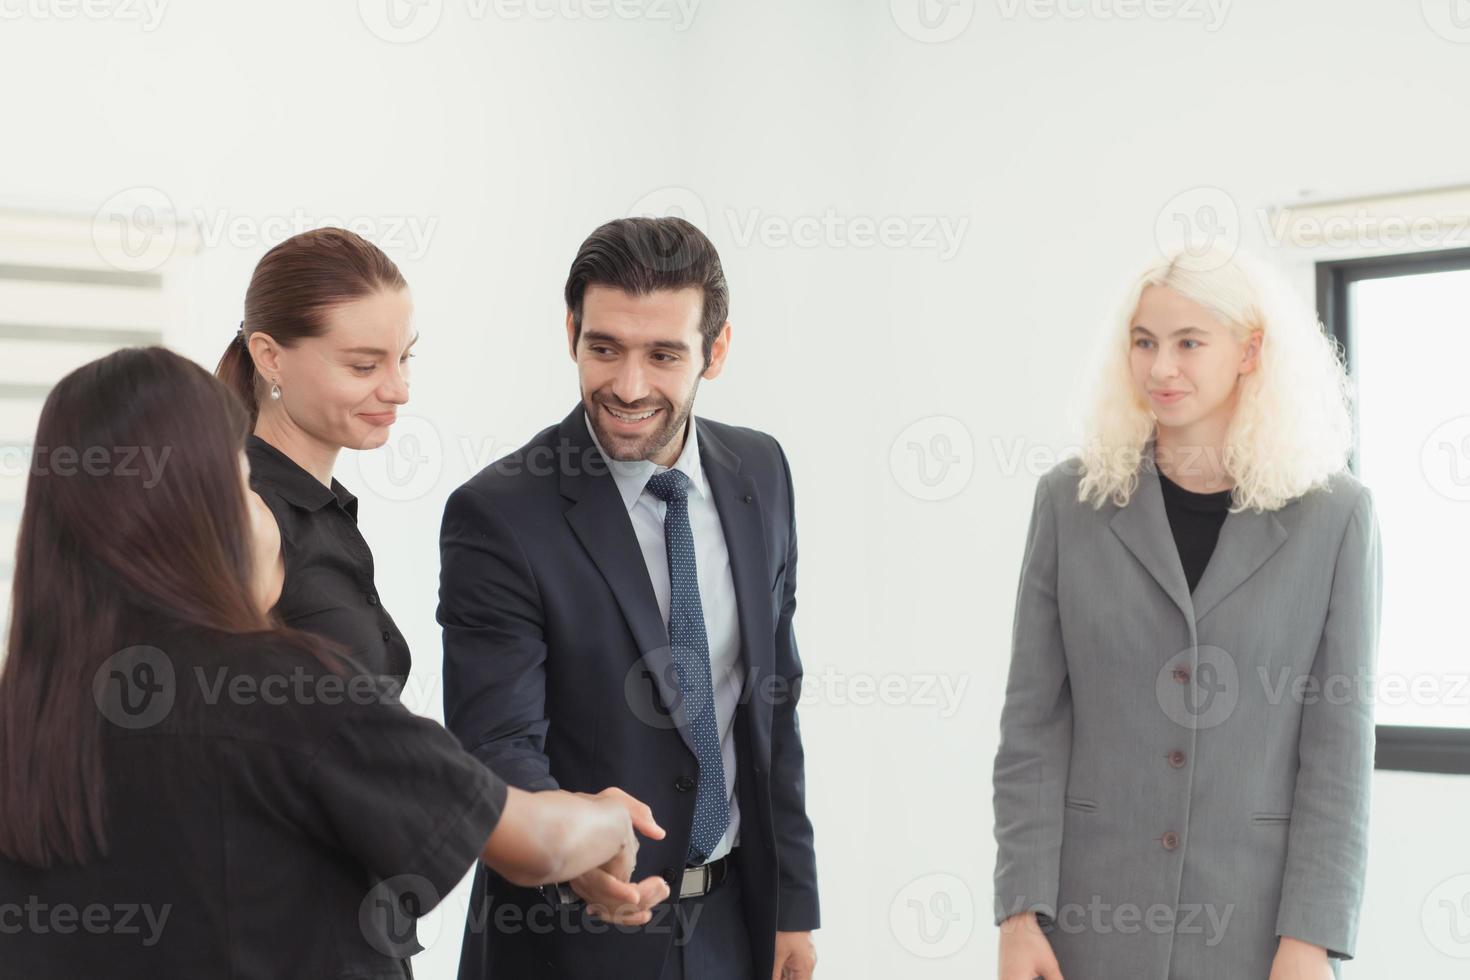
(739, 504)
(600, 520)
(1247, 539)
(1143, 527)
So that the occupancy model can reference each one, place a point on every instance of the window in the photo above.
(1404, 322)
(62, 303)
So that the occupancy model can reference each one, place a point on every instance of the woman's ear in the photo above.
(266, 354)
(1251, 357)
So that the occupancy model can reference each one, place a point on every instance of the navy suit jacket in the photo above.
(558, 674)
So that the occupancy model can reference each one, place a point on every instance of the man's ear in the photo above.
(718, 352)
(571, 336)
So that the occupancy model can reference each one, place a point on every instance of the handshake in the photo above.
(609, 890)
(587, 840)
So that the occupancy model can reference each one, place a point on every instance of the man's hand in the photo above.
(620, 902)
(608, 890)
(796, 956)
(1298, 960)
(1024, 952)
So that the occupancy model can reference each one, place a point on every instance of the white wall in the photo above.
(1058, 144)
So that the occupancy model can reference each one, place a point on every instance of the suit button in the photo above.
(1181, 675)
(667, 874)
(386, 635)
(684, 784)
(1176, 759)
(372, 598)
(1170, 840)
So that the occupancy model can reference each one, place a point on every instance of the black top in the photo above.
(329, 587)
(1195, 519)
(266, 816)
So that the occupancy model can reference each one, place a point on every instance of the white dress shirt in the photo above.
(716, 587)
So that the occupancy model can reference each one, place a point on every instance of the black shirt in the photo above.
(264, 823)
(1195, 519)
(329, 587)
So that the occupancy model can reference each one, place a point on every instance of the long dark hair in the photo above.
(293, 286)
(134, 514)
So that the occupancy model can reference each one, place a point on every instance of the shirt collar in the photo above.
(632, 476)
(273, 468)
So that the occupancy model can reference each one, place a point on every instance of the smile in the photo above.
(622, 417)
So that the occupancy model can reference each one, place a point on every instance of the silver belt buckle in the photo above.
(695, 883)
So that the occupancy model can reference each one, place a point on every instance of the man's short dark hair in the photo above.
(641, 255)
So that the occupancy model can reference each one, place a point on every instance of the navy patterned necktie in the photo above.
(690, 644)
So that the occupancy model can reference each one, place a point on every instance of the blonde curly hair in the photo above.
(1292, 426)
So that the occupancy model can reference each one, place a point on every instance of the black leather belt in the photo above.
(697, 881)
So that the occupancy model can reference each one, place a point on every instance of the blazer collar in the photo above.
(1247, 539)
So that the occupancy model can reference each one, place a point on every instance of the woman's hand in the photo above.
(552, 836)
(1297, 960)
(1024, 952)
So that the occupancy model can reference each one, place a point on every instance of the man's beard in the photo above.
(631, 448)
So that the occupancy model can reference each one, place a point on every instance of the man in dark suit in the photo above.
(617, 599)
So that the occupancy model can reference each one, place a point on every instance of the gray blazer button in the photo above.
(1170, 840)
(1176, 759)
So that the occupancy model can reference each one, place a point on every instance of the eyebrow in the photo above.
(598, 336)
(1138, 327)
(377, 351)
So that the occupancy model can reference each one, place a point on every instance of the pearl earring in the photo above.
(275, 391)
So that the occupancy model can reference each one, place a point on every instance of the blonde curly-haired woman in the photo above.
(1181, 789)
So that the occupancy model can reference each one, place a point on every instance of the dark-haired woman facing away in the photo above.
(186, 790)
(321, 363)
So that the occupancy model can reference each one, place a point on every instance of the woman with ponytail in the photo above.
(321, 364)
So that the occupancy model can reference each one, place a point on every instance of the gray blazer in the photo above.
(1183, 778)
